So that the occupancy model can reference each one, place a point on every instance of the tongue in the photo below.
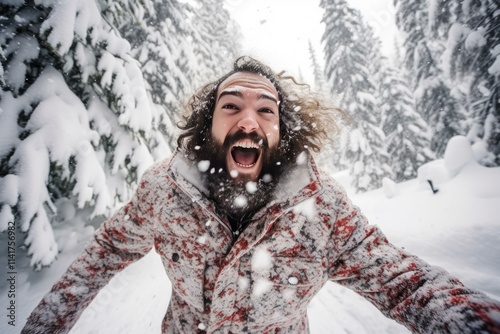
(245, 156)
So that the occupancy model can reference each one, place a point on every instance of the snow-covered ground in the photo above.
(457, 228)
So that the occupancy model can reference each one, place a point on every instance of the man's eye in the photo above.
(229, 106)
(266, 110)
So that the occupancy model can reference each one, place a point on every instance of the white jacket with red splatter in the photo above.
(263, 281)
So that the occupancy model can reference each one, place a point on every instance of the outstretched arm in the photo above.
(424, 298)
(121, 240)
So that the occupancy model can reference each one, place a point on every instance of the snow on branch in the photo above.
(75, 120)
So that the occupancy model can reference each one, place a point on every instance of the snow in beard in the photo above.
(236, 199)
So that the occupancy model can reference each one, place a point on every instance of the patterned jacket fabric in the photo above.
(262, 280)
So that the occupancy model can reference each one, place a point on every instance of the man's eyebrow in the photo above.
(269, 97)
(240, 95)
(230, 92)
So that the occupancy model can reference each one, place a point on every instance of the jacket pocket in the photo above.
(283, 292)
(184, 263)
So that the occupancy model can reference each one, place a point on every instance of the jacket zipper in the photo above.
(217, 219)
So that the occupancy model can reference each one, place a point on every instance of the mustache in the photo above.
(240, 135)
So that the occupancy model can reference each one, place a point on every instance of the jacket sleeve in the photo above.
(118, 242)
(424, 298)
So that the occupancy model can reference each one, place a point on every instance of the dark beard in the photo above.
(234, 199)
(240, 199)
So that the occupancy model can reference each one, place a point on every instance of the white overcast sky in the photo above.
(277, 31)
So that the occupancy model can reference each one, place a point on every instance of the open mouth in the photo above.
(245, 153)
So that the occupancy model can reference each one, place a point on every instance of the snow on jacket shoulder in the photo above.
(263, 281)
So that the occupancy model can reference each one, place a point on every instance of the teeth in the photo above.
(246, 144)
(246, 166)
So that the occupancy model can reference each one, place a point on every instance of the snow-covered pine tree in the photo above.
(330, 156)
(408, 136)
(319, 74)
(161, 40)
(421, 23)
(347, 49)
(75, 122)
(471, 61)
(300, 76)
(180, 46)
(216, 40)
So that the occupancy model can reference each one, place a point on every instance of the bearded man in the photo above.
(249, 229)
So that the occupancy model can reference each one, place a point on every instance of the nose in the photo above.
(248, 123)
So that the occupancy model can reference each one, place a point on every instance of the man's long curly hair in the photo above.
(306, 121)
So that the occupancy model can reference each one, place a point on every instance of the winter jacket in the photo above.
(262, 280)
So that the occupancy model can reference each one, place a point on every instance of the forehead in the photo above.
(248, 80)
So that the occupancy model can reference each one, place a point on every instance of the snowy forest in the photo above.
(92, 90)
